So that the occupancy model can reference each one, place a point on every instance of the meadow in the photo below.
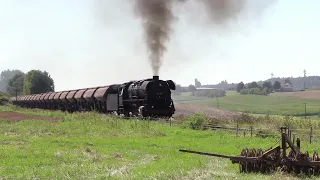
(275, 103)
(94, 146)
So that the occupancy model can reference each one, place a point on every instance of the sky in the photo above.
(87, 43)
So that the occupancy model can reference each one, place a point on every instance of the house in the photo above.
(286, 87)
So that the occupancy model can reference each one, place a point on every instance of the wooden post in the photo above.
(284, 144)
(237, 129)
(170, 121)
(244, 133)
(310, 135)
(298, 143)
(305, 110)
(251, 129)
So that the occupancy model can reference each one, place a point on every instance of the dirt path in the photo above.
(15, 116)
(181, 109)
(210, 112)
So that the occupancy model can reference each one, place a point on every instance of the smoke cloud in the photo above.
(221, 11)
(156, 16)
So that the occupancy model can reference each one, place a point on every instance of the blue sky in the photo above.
(84, 43)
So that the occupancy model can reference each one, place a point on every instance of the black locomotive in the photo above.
(146, 98)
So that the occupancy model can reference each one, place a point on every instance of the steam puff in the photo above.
(156, 16)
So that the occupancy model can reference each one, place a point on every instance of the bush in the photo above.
(256, 91)
(244, 91)
(4, 98)
(196, 121)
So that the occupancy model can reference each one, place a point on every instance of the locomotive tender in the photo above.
(146, 98)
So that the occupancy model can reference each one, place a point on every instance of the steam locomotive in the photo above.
(145, 98)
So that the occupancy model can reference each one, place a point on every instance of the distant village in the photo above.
(285, 86)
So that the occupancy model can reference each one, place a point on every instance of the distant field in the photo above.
(92, 146)
(291, 103)
(310, 94)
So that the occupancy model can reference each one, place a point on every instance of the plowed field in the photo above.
(210, 112)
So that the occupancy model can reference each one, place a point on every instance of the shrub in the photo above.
(4, 98)
(256, 91)
(196, 121)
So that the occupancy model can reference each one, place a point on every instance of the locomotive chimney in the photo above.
(155, 77)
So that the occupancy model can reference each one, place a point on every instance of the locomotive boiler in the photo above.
(146, 98)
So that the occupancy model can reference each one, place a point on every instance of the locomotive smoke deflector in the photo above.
(155, 77)
(171, 84)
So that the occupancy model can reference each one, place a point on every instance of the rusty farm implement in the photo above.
(264, 161)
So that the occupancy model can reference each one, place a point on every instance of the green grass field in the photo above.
(92, 146)
(256, 104)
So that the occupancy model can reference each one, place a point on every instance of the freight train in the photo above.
(144, 98)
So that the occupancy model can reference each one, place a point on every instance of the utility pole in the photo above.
(305, 111)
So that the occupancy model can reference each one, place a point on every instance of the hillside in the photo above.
(288, 103)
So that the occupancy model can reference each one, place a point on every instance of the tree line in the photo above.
(255, 88)
(15, 82)
(310, 82)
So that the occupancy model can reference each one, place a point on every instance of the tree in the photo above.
(252, 85)
(240, 86)
(37, 81)
(192, 88)
(267, 84)
(276, 85)
(15, 84)
(5, 76)
(287, 80)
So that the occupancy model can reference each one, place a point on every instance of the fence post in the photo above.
(237, 129)
(251, 129)
(310, 134)
(244, 133)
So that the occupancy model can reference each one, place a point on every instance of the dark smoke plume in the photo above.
(156, 18)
